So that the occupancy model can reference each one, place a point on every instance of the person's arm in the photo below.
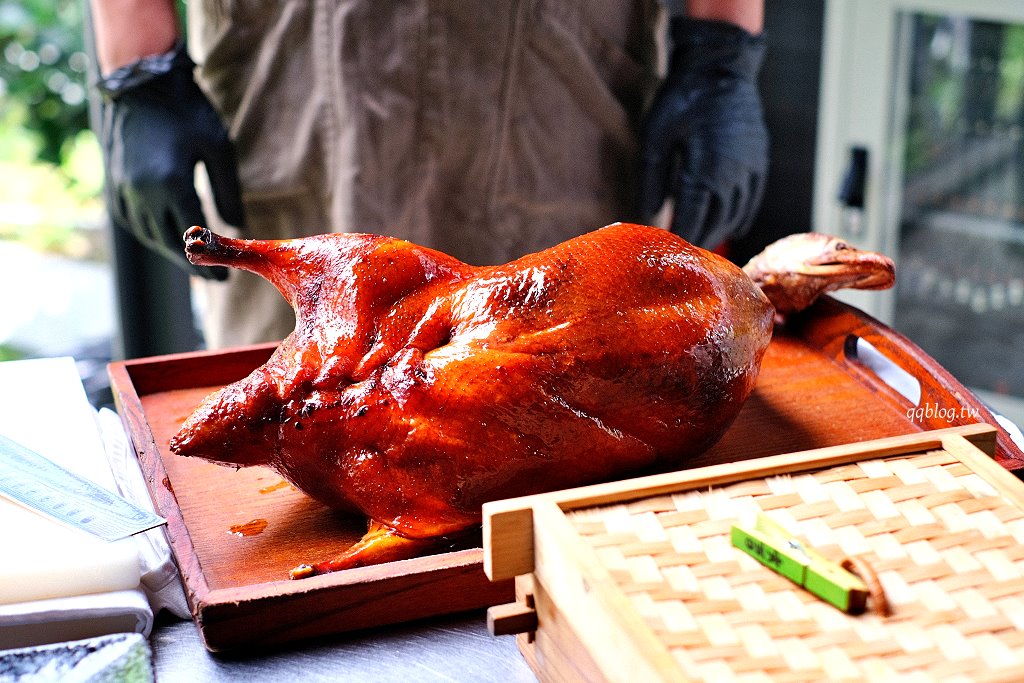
(704, 143)
(128, 30)
(747, 14)
(156, 125)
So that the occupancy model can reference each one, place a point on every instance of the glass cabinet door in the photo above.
(931, 95)
(957, 137)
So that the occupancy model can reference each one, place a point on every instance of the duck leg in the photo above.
(379, 544)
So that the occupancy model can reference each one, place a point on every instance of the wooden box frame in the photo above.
(575, 623)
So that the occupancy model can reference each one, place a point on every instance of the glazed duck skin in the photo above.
(415, 387)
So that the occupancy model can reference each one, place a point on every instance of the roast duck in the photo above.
(415, 387)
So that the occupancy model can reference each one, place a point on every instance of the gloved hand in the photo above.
(704, 141)
(157, 125)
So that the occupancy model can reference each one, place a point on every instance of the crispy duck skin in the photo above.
(415, 387)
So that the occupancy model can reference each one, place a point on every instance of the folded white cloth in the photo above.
(56, 620)
(78, 440)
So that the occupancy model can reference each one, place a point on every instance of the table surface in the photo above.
(452, 648)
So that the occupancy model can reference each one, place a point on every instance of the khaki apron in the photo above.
(486, 129)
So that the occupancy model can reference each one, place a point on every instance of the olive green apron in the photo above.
(484, 128)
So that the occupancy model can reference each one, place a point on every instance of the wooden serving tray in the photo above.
(235, 534)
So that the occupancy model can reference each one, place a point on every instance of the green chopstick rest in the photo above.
(772, 545)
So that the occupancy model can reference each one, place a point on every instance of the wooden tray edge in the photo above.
(129, 407)
(348, 601)
(830, 324)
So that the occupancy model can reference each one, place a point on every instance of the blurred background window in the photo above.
(931, 96)
(961, 294)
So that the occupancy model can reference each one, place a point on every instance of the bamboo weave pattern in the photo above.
(948, 550)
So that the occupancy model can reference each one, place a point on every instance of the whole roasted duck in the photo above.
(415, 387)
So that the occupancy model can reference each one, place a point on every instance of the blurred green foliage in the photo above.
(43, 74)
(51, 172)
(965, 82)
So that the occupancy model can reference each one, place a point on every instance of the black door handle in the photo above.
(852, 189)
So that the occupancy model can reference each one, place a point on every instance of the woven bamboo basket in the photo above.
(638, 580)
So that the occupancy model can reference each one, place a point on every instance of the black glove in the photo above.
(704, 141)
(157, 125)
